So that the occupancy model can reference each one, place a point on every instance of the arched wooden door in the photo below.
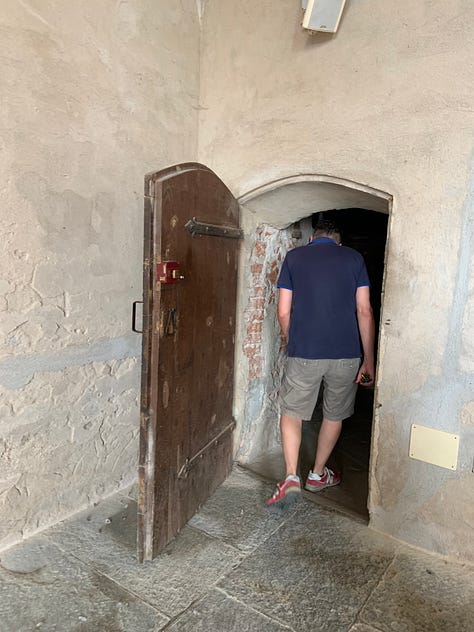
(189, 303)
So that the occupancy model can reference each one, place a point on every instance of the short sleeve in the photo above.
(362, 274)
(284, 280)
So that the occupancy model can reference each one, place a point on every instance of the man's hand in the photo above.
(366, 371)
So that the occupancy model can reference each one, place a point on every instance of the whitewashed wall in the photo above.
(94, 95)
(387, 103)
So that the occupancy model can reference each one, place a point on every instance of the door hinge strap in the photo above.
(188, 464)
(213, 230)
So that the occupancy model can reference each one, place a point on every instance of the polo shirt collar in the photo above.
(323, 240)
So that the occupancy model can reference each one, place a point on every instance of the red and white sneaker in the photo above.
(315, 483)
(286, 494)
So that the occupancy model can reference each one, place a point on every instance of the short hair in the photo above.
(326, 227)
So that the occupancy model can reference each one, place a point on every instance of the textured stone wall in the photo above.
(94, 95)
(387, 103)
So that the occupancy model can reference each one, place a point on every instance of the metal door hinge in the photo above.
(214, 230)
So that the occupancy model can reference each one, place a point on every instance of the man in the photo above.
(324, 312)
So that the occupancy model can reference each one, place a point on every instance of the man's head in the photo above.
(327, 228)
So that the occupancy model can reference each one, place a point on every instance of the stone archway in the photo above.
(275, 219)
(286, 200)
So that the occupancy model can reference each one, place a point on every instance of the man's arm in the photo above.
(284, 310)
(365, 319)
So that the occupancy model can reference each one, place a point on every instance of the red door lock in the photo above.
(169, 272)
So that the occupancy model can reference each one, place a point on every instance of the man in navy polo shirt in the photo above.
(324, 312)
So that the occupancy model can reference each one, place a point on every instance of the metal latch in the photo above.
(171, 322)
(213, 230)
(134, 317)
(169, 272)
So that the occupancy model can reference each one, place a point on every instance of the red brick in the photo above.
(257, 303)
(254, 327)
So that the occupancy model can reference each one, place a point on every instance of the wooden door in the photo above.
(189, 297)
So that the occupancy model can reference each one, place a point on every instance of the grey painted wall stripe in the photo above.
(16, 372)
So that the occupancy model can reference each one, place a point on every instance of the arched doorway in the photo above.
(281, 216)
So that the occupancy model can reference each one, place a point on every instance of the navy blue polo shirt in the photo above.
(324, 278)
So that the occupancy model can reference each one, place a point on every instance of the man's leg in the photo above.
(290, 429)
(298, 394)
(288, 491)
(339, 395)
(327, 439)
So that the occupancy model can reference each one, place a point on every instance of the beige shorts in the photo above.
(302, 379)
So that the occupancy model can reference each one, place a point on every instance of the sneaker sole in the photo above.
(315, 490)
(287, 501)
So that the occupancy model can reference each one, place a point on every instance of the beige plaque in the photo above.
(434, 446)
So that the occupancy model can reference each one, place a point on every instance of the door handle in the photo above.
(134, 317)
(171, 323)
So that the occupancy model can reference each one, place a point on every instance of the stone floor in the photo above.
(235, 567)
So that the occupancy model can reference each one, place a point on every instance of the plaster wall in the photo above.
(94, 95)
(387, 103)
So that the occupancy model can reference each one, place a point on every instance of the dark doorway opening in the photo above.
(366, 232)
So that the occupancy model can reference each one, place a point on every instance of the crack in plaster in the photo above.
(12, 331)
(101, 425)
(33, 13)
(201, 7)
(32, 285)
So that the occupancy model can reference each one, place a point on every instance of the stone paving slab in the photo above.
(106, 538)
(41, 588)
(314, 573)
(422, 593)
(236, 512)
(220, 613)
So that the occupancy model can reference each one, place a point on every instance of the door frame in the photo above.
(388, 200)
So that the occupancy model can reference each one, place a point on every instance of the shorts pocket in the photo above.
(350, 363)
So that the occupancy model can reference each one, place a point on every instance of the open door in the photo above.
(189, 302)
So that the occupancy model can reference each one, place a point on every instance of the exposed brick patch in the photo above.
(260, 249)
(273, 272)
(267, 256)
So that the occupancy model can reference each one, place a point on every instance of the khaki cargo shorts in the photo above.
(301, 382)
